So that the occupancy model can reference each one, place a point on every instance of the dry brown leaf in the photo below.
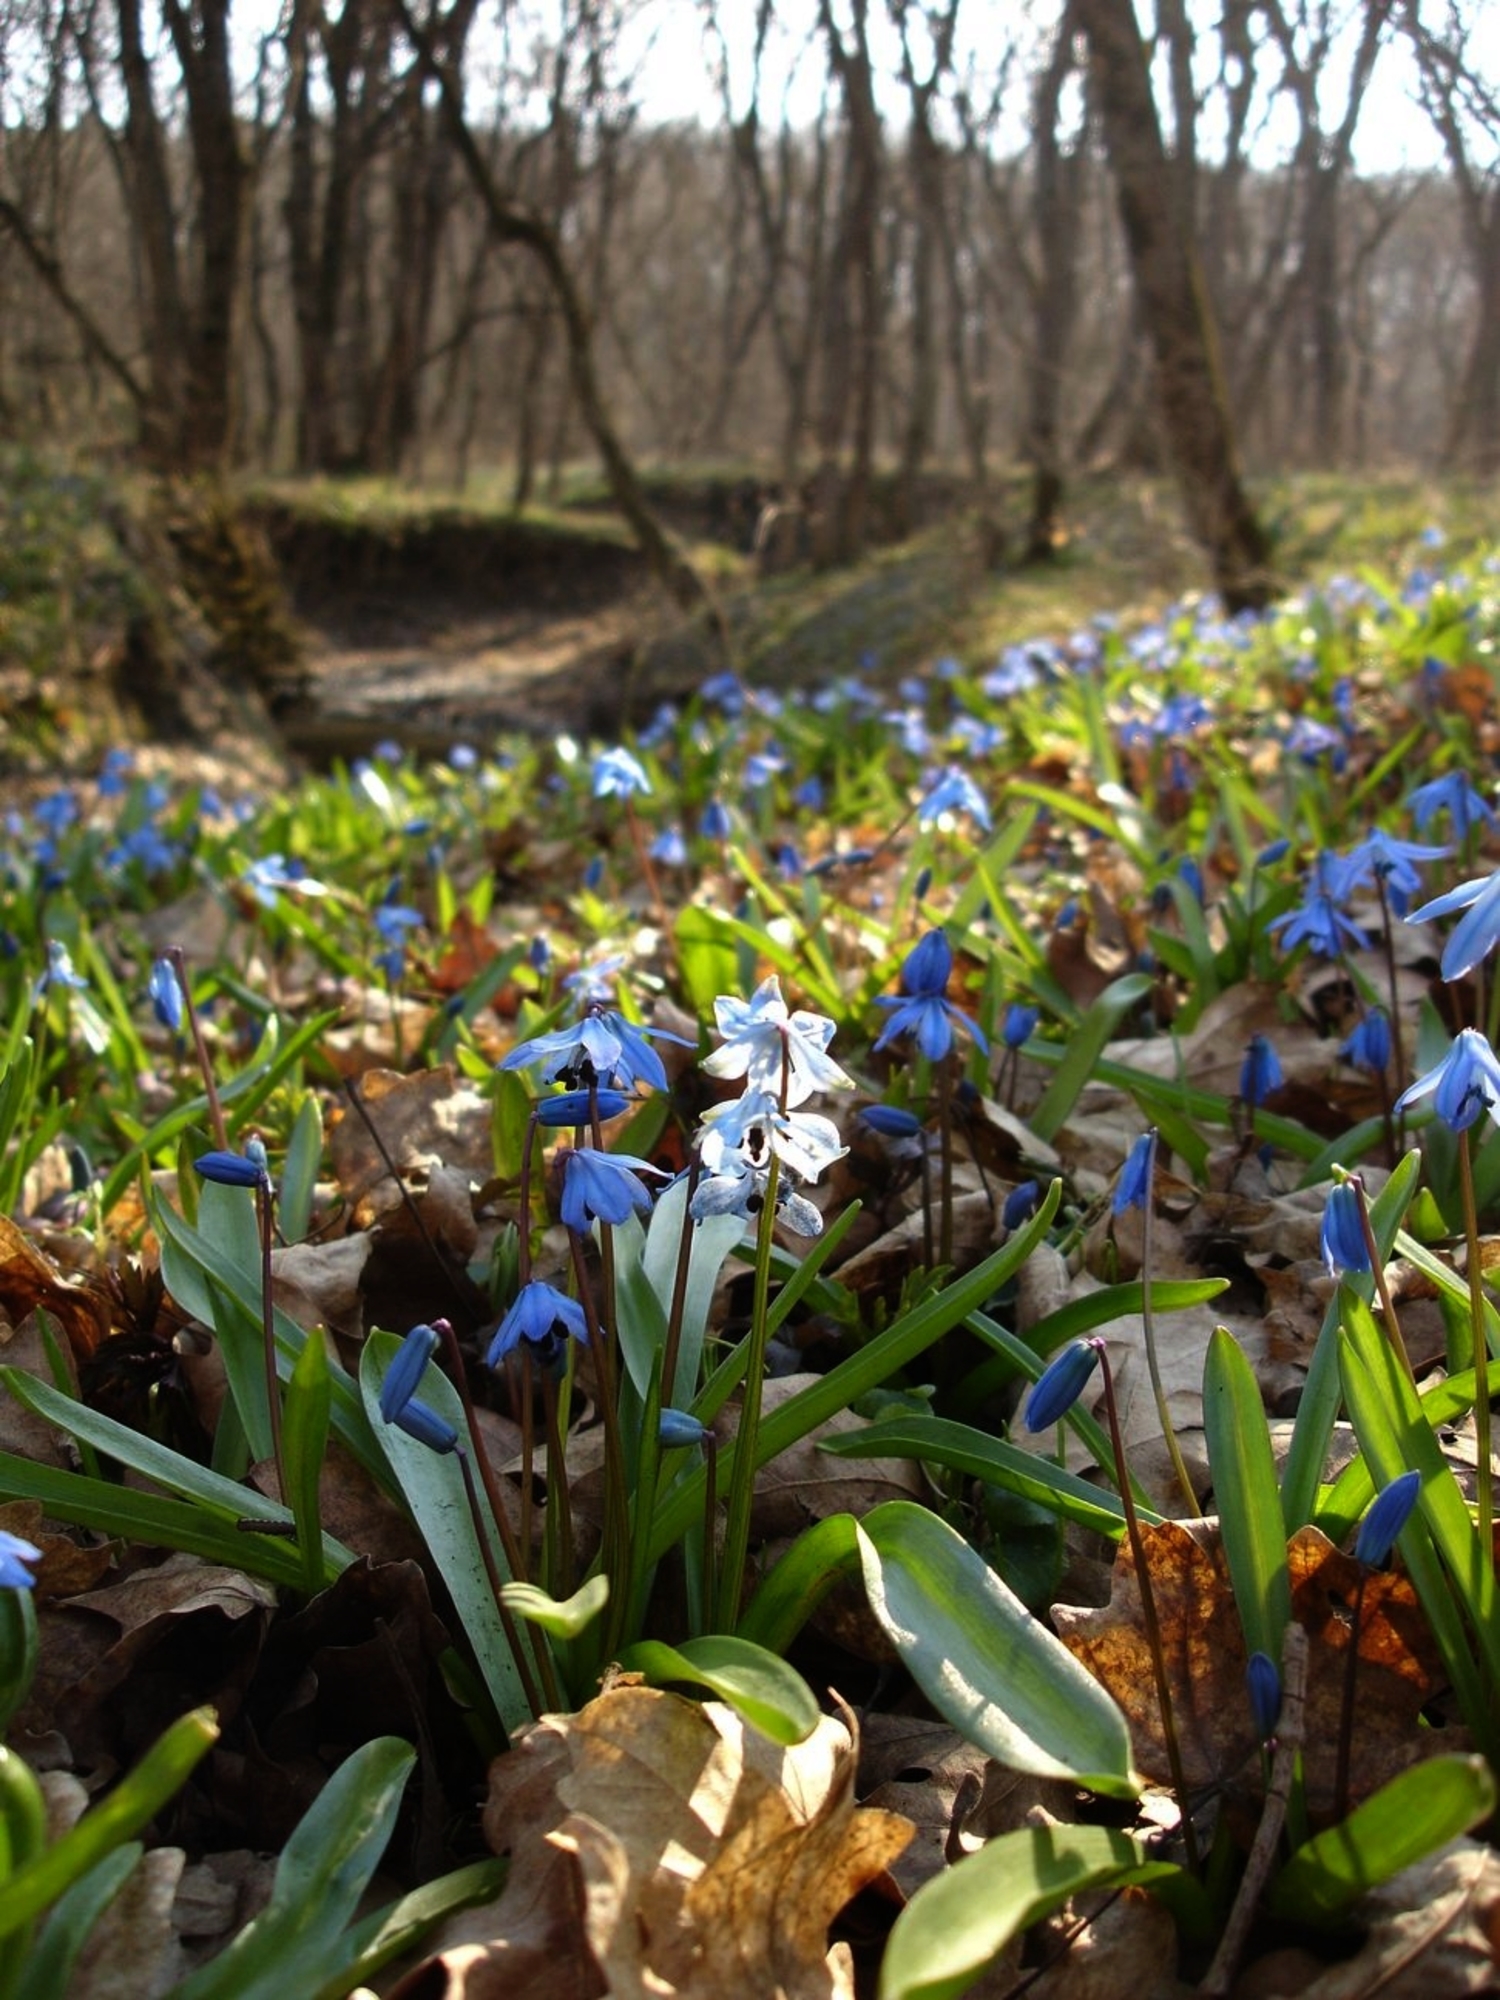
(1434, 1935)
(29, 1278)
(1124, 1949)
(426, 1116)
(1205, 1656)
(804, 1484)
(707, 1861)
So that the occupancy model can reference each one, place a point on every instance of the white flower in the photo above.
(740, 1138)
(761, 1039)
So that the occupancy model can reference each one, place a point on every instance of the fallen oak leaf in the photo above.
(662, 1848)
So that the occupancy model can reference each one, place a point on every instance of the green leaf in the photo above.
(432, 1485)
(819, 1558)
(1411, 1816)
(55, 1951)
(842, 1386)
(299, 1170)
(207, 1490)
(1085, 1045)
(986, 1665)
(390, 1932)
(304, 1439)
(940, 1441)
(960, 1920)
(299, 1939)
(754, 1682)
(1317, 1412)
(196, 1258)
(137, 1799)
(563, 1620)
(1246, 1494)
(712, 1240)
(18, 1652)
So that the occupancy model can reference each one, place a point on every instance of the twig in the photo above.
(1290, 1731)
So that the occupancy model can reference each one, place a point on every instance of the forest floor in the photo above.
(432, 620)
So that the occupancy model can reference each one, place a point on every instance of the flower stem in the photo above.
(1483, 1456)
(263, 1199)
(1153, 1364)
(200, 1048)
(742, 1466)
(1149, 1618)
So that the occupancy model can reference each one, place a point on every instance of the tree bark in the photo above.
(511, 223)
(1190, 391)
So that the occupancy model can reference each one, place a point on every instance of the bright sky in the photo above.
(677, 58)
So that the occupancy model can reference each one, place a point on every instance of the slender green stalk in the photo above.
(943, 1079)
(216, 1123)
(617, 1496)
(263, 1217)
(742, 1473)
(1149, 1620)
(514, 1559)
(1153, 1362)
(1383, 1290)
(497, 1583)
(1483, 1457)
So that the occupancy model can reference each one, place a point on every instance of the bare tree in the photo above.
(1463, 105)
(1194, 410)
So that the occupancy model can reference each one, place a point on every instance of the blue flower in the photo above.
(1454, 795)
(406, 1371)
(603, 1187)
(715, 823)
(1393, 862)
(669, 848)
(603, 1047)
(463, 757)
(1318, 921)
(1369, 1047)
(232, 1170)
(1342, 1238)
(1263, 1685)
(575, 1107)
(1020, 1024)
(15, 1554)
(1059, 1386)
(1474, 936)
(890, 1121)
(616, 775)
(676, 1428)
(59, 971)
(1260, 1073)
(1464, 1085)
(926, 1013)
(1021, 1204)
(542, 1316)
(1134, 1189)
(1387, 1515)
(954, 792)
(420, 1421)
(165, 993)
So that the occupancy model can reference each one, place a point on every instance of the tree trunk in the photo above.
(1194, 411)
(513, 224)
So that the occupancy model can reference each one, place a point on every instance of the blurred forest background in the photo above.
(866, 253)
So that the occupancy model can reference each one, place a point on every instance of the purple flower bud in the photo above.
(891, 1122)
(1020, 1024)
(407, 1370)
(1343, 1234)
(1260, 1073)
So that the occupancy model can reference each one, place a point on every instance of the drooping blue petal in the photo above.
(1343, 1233)
(1059, 1386)
(1387, 1515)
(1134, 1189)
(406, 1371)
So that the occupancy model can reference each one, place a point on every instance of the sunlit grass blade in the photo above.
(754, 1682)
(1246, 1496)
